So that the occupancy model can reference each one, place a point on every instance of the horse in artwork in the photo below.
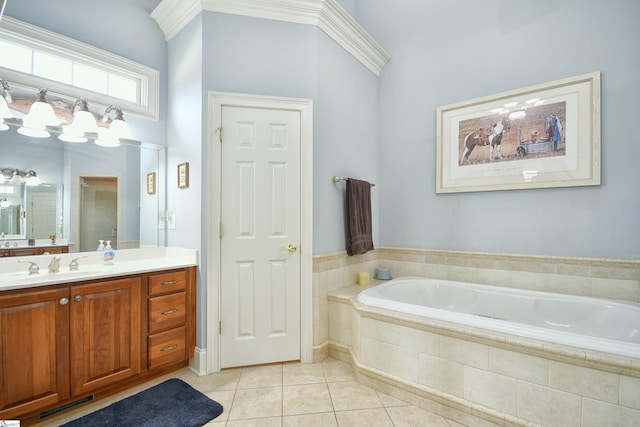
(494, 136)
(477, 137)
(491, 136)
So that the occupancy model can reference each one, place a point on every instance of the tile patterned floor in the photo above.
(325, 394)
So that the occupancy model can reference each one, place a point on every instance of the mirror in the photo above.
(11, 210)
(43, 202)
(56, 205)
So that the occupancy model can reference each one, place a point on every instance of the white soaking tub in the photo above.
(590, 323)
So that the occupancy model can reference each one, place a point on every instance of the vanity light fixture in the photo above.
(43, 118)
(5, 99)
(118, 128)
(40, 116)
(32, 178)
(16, 176)
(83, 122)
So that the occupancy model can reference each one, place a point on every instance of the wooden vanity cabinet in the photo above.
(29, 251)
(105, 333)
(169, 304)
(34, 351)
(61, 343)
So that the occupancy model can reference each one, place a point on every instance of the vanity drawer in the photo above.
(167, 311)
(167, 282)
(167, 347)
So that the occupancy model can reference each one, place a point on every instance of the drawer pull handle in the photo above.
(164, 313)
(171, 347)
(170, 282)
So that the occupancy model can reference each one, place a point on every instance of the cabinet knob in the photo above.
(77, 298)
(64, 301)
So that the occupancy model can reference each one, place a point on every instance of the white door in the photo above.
(260, 234)
(41, 218)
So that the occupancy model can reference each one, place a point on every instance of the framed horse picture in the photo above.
(536, 137)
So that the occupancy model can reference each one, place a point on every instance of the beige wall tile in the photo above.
(528, 280)
(400, 361)
(442, 374)
(628, 290)
(598, 414)
(630, 392)
(420, 341)
(370, 354)
(465, 352)
(493, 390)
(518, 365)
(379, 330)
(587, 382)
(549, 407)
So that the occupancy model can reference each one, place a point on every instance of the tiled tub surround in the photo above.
(471, 375)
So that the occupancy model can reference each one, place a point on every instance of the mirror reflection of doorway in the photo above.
(41, 217)
(98, 218)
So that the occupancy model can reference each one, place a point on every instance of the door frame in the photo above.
(216, 101)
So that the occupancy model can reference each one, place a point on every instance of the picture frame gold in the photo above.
(547, 136)
(151, 183)
(183, 175)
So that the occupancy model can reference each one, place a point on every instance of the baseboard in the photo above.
(198, 364)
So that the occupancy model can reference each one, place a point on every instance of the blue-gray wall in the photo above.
(450, 51)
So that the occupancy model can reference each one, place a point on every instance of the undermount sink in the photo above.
(23, 277)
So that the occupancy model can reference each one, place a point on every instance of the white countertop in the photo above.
(15, 274)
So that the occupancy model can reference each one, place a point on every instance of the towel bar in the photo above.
(335, 179)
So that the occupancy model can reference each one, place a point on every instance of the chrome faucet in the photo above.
(54, 265)
(33, 267)
(73, 265)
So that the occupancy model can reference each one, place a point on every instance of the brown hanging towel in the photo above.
(359, 236)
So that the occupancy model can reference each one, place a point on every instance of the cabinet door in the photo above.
(26, 251)
(105, 333)
(34, 351)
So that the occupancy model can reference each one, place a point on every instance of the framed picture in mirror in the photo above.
(183, 175)
(151, 183)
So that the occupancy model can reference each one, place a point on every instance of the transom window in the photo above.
(34, 57)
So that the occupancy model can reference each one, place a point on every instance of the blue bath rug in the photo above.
(172, 403)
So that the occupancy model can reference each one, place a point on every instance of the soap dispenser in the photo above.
(109, 255)
(100, 246)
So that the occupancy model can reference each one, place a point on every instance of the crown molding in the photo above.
(328, 15)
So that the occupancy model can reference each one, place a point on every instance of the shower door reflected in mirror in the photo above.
(98, 219)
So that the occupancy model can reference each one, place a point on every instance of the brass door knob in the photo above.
(292, 248)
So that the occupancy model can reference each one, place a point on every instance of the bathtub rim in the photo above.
(603, 361)
(563, 338)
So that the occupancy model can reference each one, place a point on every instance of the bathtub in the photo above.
(588, 323)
